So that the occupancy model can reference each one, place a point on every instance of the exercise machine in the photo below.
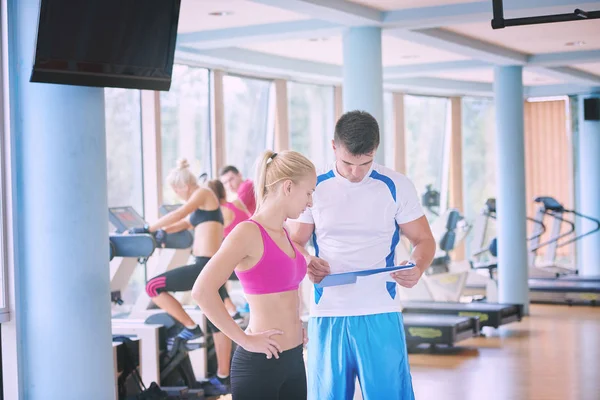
(550, 207)
(440, 290)
(143, 345)
(484, 265)
(125, 253)
(144, 322)
(448, 230)
(431, 200)
(544, 286)
(175, 253)
(445, 279)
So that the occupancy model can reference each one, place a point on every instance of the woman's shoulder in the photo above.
(246, 230)
(205, 198)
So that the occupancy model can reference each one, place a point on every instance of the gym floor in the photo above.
(552, 354)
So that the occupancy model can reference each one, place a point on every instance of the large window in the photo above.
(124, 148)
(247, 112)
(388, 129)
(310, 109)
(478, 153)
(185, 124)
(426, 142)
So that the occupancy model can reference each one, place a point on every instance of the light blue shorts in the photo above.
(370, 347)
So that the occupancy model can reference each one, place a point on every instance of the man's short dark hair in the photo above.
(358, 132)
(229, 168)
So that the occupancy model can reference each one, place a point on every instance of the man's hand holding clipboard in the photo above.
(347, 278)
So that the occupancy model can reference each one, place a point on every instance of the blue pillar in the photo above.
(61, 228)
(363, 76)
(588, 189)
(510, 182)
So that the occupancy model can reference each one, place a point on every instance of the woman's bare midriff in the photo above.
(277, 311)
(208, 237)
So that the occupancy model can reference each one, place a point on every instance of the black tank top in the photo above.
(200, 216)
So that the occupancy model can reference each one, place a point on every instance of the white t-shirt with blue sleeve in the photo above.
(356, 227)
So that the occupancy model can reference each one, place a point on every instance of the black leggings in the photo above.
(181, 279)
(255, 377)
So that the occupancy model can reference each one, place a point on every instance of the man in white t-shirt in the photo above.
(359, 210)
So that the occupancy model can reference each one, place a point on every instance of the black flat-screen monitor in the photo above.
(107, 43)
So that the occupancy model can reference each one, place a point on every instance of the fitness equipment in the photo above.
(167, 365)
(444, 280)
(158, 362)
(454, 222)
(564, 291)
(489, 314)
(175, 253)
(431, 199)
(550, 207)
(544, 286)
(129, 250)
(439, 291)
(125, 218)
(435, 330)
(448, 230)
(485, 257)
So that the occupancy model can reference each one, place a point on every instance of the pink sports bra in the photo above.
(275, 272)
(239, 216)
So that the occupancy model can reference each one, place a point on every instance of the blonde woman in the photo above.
(200, 211)
(268, 363)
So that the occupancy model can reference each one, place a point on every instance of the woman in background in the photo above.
(233, 213)
(202, 213)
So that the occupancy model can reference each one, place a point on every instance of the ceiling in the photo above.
(390, 5)
(536, 39)
(592, 68)
(436, 34)
(329, 50)
(195, 15)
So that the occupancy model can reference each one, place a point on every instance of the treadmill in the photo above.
(489, 314)
(546, 285)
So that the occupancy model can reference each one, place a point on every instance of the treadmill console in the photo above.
(550, 203)
(125, 218)
(490, 204)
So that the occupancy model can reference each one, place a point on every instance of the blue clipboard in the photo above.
(347, 278)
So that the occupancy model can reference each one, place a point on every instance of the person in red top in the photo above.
(233, 180)
(233, 212)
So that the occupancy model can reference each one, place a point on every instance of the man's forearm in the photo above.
(423, 253)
